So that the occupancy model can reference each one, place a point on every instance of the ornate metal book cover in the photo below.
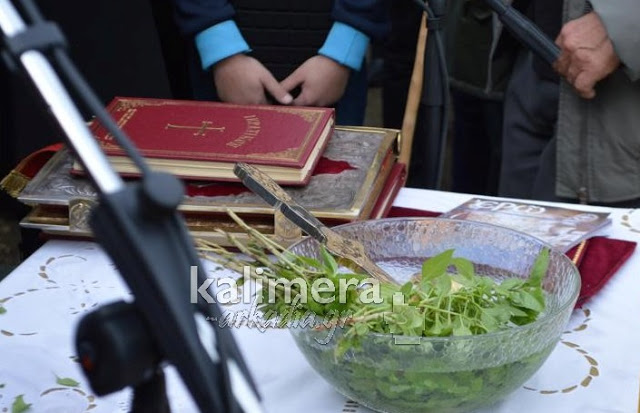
(63, 201)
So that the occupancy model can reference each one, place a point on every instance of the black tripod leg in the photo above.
(151, 395)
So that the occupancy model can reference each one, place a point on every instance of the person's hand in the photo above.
(322, 81)
(587, 55)
(244, 80)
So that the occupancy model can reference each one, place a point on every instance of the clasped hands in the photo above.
(243, 79)
(587, 54)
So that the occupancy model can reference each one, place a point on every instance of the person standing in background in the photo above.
(398, 54)
(115, 46)
(477, 85)
(477, 79)
(283, 51)
(573, 134)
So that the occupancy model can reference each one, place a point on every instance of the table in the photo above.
(595, 367)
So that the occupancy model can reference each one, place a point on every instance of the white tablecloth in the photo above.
(595, 368)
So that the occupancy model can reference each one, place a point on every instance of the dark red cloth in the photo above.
(597, 263)
(32, 164)
(24, 172)
(399, 212)
(600, 260)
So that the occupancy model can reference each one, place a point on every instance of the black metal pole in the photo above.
(427, 156)
(433, 95)
(525, 31)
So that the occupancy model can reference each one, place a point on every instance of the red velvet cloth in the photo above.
(399, 212)
(19, 177)
(598, 261)
(32, 164)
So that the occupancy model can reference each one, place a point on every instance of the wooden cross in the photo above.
(201, 130)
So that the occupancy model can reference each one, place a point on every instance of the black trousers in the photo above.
(528, 167)
(476, 144)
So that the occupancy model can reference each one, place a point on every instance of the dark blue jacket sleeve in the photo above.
(371, 17)
(194, 16)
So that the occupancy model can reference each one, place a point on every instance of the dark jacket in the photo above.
(471, 35)
(598, 152)
(368, 16)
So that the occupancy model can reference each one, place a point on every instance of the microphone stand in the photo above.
(429, 158)
(125, 344)
(435, 95)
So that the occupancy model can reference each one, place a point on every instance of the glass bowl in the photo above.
(443, 374)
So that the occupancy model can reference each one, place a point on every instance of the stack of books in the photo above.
(341, 174)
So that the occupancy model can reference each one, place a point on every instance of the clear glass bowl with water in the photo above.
(443, 374)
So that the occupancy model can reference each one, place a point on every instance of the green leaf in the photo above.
(329, 261)
(489, 322)
(415, 320)
(1, 385)
(486, 283)
(387, 291)
(500, 313)
(406, 289)
(538, 294)
(341, 348)
(515, 311)
(313, 305)
(2, 310)
(351, 276)
(460, 329)
(436, 265)
(441, 329)
(361, 328)
(462, 281)
(311, 262)
(539, 269)
(65, 381)
(442, 285)
(527, 300)
(512, 283)
(19, 405)
(464, 267)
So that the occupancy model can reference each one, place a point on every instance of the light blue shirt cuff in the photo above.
(345, 45)
(218, 42)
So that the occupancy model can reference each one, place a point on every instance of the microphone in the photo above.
(525, 31)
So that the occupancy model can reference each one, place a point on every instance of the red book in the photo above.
(203, 140)
(392, 186)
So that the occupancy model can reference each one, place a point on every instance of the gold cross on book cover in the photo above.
(200, 130)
